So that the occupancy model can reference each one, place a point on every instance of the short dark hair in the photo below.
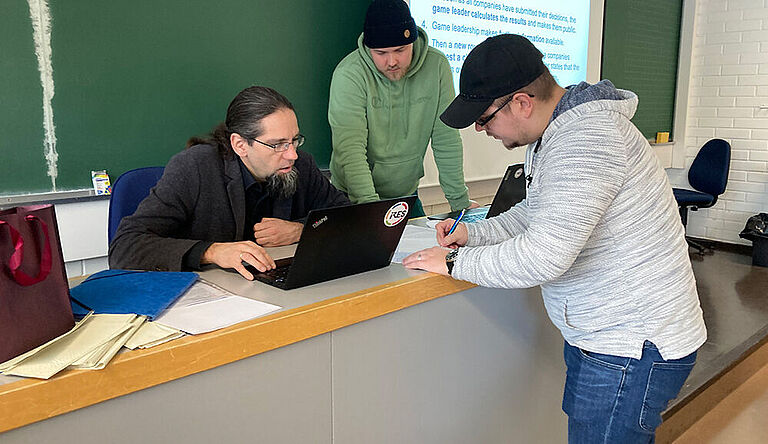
(542, 87)
(244, 115)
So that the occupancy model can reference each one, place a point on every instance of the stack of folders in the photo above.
(118, 307)
(91, 344)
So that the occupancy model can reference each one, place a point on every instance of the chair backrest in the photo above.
(127, 193)
(709, 171)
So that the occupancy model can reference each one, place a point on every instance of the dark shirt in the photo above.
(258, 204)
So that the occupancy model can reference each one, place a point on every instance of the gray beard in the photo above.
(281, 186)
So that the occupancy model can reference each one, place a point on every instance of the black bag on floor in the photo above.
(756, 230)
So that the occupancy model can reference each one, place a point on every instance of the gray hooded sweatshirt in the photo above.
(599, 231)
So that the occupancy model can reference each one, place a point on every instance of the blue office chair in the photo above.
(127, 193)
(708, 176)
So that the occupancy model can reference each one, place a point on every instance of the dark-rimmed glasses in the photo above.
(484, 120)
(283, 146)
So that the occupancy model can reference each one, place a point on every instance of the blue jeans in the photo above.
(613, 399)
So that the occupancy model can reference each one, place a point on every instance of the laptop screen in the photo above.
(511, 191)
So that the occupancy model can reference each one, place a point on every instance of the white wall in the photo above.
(83, 235)
(728, 86)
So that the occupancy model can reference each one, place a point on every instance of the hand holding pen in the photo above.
(456, 223)
(452, 233)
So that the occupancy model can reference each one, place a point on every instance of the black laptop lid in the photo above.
(511, 191)
(342, 241)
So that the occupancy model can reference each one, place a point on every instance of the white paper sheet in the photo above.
(210, 308)
(414, 239)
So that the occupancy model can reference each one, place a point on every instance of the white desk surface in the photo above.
(307, 312)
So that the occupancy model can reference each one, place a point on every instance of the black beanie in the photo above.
(388, 23)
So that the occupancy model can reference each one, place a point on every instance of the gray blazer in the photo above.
(201, 197)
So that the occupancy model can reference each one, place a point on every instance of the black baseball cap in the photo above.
(499, 66)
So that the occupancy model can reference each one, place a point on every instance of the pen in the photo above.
(456, 222)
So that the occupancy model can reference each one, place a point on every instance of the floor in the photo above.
(739, 418)
(734, 298)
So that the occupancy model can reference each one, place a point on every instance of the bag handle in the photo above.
(14, 264)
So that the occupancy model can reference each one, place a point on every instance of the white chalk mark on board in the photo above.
(41, 26)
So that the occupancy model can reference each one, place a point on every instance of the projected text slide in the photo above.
(559, 28)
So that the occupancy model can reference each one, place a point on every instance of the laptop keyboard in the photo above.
(278, 274)
(472, 218)
(275, 277)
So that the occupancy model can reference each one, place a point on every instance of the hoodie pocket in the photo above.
(587, 317)
(396, 178)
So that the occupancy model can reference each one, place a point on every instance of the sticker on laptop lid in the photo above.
(396, 214)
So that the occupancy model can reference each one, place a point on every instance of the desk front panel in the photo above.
(480, 366)
(281, 396)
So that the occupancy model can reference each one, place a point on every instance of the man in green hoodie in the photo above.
(385, 101)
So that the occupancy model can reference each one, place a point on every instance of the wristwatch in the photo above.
(450, 258)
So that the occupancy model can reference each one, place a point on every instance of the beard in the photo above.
(522, 140)
(395, 76)
(281, 186)
(510, 145)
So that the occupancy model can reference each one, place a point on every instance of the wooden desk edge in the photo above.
(31, 400)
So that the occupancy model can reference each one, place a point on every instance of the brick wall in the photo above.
(729, 84)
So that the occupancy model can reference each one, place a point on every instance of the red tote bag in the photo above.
(34, 294)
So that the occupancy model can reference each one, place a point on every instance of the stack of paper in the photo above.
(151, 334)
(90, 344)
(100, 356)
(206, 307)
(95, 340)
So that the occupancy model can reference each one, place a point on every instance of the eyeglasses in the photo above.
(484, 120)
(283, 146)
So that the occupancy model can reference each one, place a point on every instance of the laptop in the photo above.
(342, 241)
(511, 191)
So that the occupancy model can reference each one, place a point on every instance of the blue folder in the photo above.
(128, 291)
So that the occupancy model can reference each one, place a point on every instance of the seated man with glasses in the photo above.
(225, 197)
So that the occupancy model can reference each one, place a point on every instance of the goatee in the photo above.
(281, 186)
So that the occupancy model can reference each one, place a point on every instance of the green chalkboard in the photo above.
(641, 41)
(133, 80)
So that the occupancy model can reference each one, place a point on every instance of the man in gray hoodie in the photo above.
(599, 231)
